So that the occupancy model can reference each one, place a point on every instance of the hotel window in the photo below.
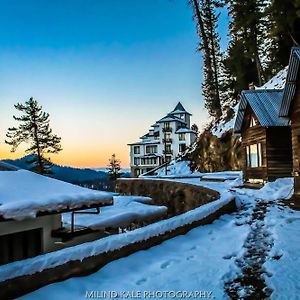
(253, 122)
(182, 147)
(167, 125)
(151, 149)
(181, 136)
(136, 149)
(136, 161)
(254, 155)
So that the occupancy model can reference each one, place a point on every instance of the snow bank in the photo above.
(113, 242)
(277, 82)
(23, 194)
(222, 125)
(126, 209)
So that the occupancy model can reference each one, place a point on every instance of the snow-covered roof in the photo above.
(170, 118)
(290, 87)
(145, 142)
(179, 109)
(126, 209)
(265, 105)
(24, 194)
(184, 130)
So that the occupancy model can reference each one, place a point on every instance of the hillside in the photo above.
(216, 148)
(68, 174)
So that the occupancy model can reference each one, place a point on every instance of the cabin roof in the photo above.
(290, 85)
(24, 194)
(265, 104)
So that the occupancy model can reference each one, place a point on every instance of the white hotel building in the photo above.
(166, 139)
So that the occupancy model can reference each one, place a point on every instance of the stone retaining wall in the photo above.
(178, 197)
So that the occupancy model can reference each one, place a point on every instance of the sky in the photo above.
(104, 70)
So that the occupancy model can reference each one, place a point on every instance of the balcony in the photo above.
(167, 140)
(167, 129)
(168, 152)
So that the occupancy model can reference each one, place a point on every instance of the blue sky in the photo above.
(104, 70)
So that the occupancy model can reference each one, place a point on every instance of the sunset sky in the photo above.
(104, 70)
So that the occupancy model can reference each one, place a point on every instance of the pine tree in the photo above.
(206, 20)
(114, 168)
(34, 128)
(247, 49)
(283, 30)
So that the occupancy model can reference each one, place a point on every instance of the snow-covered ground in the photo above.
(257, 244)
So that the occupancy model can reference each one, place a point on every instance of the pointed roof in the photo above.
(179, 109)
(265, 104)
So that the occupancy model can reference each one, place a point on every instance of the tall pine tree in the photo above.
(34, 128)
(206, 21)
(283, 30)
(246, 51)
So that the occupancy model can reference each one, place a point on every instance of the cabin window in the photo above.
(151, 149)
(136, 149)
(20, 245)
(254, 155)
(253, 122)
(181, 136)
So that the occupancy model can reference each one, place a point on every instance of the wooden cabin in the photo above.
(266, 138)
(290, 108)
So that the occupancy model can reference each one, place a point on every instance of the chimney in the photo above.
(251, 86)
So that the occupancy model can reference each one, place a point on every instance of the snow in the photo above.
(284, 261)
(177, 168)
(113, 242)
(126, 209)
(211, 258)
(222, 126)
(191, 262)
(184, 129)
(276, 82)
(23, 194)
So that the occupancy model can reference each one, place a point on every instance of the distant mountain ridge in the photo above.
(68, 174)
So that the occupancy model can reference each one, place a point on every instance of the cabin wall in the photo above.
(46, 223)
(278, 152)
(295, 123)
(253, 135)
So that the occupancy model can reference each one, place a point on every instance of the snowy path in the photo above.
(249, 254)
(250, 282)
(196, 261)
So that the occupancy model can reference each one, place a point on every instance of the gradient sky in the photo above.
(104, 70)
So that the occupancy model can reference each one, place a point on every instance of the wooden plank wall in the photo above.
(295, 122)
(279, 152)
(253, 135)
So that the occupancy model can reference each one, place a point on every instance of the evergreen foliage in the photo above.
(114, 167)
(34, 128)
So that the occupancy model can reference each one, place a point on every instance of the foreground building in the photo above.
(290, 109)
(167, 138)
(266, 138)
(30, 213)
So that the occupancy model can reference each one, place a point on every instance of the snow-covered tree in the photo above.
(34, 128)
